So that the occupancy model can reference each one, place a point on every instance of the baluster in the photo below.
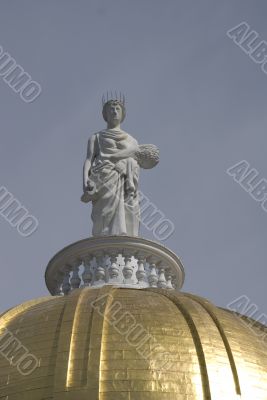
(75, 280)
(100, 269)
(128, 269)
(66, 280)
(140, 273)
(58, 291)
(87, 273)
(59, 282)
(114, 267)
(153, 277)
(174, 283)
(169, 282)
(162, 280)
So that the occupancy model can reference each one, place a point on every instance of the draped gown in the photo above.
(114, 194)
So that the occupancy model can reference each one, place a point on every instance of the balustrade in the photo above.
(114, 260)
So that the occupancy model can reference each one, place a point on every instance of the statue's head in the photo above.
(114, 110)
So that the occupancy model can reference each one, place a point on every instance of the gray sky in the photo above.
(190, 90)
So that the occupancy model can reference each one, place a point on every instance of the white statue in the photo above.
(111, 173)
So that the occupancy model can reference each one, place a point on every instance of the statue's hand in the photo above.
(85, 198)
(87, 185)
(88, 193)
(89, 188)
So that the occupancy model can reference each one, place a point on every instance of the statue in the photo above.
(111, 174)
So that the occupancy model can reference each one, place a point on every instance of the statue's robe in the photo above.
(114, 194)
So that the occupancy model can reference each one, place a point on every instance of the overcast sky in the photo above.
(190, 90)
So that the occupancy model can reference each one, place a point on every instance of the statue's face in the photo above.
(114, 113)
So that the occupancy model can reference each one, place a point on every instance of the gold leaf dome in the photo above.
(129, 344)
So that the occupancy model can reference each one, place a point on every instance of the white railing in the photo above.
(114, 260)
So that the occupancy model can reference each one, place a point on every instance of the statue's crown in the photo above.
(109, 96)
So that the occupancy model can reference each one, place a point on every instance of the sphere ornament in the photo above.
(114, 343)
(147, 156)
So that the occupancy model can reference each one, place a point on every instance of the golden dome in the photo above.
(117, 343)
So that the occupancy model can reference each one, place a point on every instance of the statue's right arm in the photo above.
(89, 160)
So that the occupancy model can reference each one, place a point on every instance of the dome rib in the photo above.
(208, 308)
(85, 350)
(104, 331)
(196, 338)
(73, 345)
